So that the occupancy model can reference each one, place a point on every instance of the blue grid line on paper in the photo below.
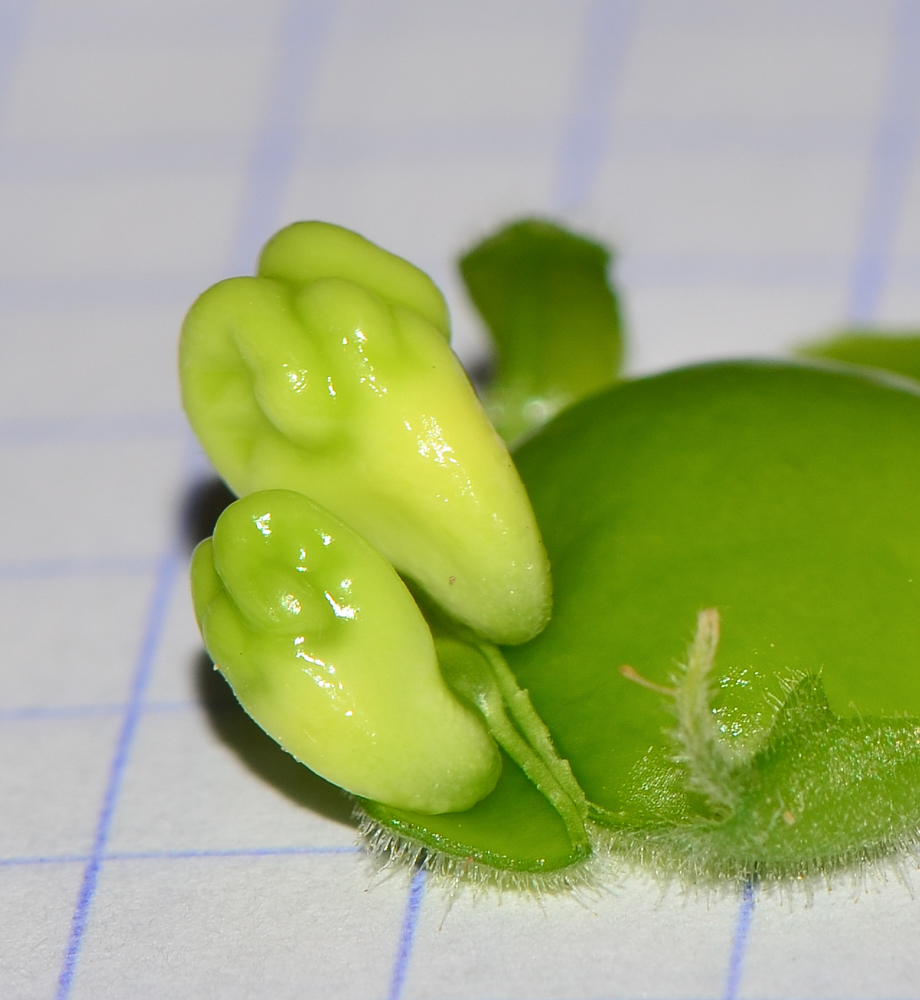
(231, 852)
(606, 34)
(436, 143)
(301, 32)
(739, 941)
(300, 40)
(108, 292)
(31, 712)
(175, 705)
(786, 269)
(893, 153)
(407, 934)
(111, 427)
(166, 578)
(14, 23)
(44, 569)
(27, 712)
(41, 859)
(235, 852)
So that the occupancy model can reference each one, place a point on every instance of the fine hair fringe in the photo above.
(391, 850)
(684, 859)
(675, 861)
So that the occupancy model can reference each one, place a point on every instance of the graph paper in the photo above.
(754, 164)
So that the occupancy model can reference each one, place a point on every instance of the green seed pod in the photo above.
(787, 498)
(325, 648)
(330, 375)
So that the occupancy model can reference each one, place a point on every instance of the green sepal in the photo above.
(535, 820)
(479, 676)
(544, 295)
(515, 828)
(826, 788)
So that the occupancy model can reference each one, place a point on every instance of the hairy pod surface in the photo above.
(787, 498)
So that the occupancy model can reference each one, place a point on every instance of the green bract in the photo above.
(544, 295)
(330, 375)
(327, 651)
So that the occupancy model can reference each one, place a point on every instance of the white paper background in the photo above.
(755, 165)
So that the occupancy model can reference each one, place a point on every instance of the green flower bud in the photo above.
(325, 648)
(330, 375)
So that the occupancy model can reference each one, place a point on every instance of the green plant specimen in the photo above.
(728, 686)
